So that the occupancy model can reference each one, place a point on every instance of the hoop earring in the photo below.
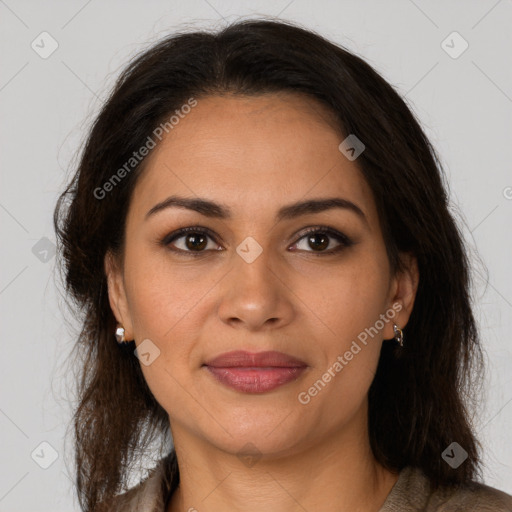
(399, 335)
(120, 335)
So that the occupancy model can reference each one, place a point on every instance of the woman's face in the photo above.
(254, 280)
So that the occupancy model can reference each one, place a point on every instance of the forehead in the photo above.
(250, 151)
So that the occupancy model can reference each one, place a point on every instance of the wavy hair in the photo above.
(419, 401)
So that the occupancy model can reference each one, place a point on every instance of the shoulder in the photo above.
(412, 493)
(475, 497)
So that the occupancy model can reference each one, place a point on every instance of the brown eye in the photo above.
(196, 242)
(318, 241)
(191, 240)
(322, 240)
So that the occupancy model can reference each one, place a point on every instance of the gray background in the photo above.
(47, 104)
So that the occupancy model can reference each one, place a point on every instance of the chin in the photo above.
(269, 438)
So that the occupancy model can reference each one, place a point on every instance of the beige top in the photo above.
(411, 493)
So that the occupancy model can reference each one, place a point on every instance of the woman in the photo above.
(261, 224)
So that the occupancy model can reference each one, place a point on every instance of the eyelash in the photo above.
(343, 239)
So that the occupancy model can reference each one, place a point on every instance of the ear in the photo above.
(117, 294)
(404, 286)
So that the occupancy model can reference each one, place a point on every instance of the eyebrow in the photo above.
(219, 211)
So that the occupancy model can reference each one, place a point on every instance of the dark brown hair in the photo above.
(418, 401)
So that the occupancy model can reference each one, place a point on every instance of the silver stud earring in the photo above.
(399, 335)
(120, 335)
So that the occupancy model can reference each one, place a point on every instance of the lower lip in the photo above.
(255, 380)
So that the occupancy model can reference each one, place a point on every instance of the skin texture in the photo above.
(255, 155)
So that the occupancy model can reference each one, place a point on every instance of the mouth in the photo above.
(255, 372)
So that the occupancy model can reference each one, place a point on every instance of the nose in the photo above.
(255, 296)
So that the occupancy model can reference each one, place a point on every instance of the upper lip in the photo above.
(242, 358)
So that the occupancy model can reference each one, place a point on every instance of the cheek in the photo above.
(347, 297)
(349, 304)
(161, 295)
(151, 301)
(169, 305)
(161, 303)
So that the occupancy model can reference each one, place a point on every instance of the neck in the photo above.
(337, 473)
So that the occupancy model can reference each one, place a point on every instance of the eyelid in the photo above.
(322, 229)
(343, 240)
(171, 237)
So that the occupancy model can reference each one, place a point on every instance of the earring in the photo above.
(120, 335)
(399, 335)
